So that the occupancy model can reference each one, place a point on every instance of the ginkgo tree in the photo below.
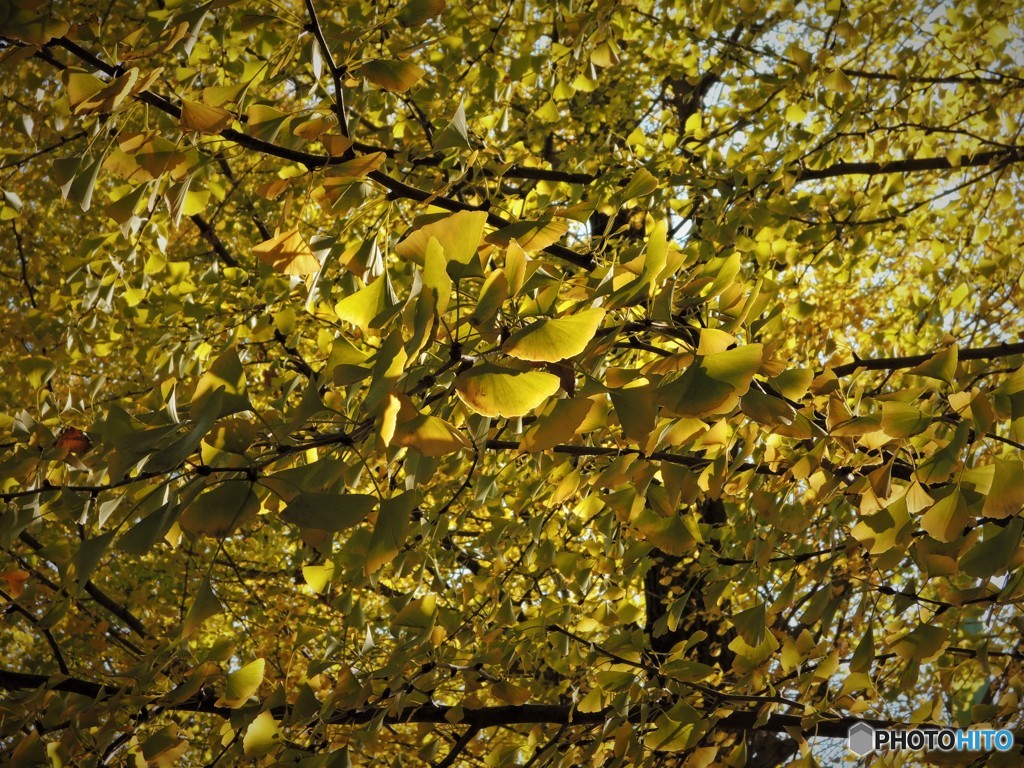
(508, 383)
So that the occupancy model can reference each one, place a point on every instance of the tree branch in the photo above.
(483, 717)
(336, 71)
(911, 165)
(895, 363)
(398, 189)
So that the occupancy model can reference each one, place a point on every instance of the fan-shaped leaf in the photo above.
(492, 390)
(552, 339)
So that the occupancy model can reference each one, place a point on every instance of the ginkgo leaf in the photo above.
(315, 126)
(750, 624)
(922, 644)
(356, 168)
(557, 424)
(642, 183)
(242, 683)
(531, 236)
(455, 134)
(418, 614)
(390, 532)
(435, 274)
(261, 736)
(202, 118)
(946, 518)
(164, 748)
(992, 555)
(288, 253)
(328, 511)
(417, 12)
(713, 384)
(1005, 495)
(941, 366)
(398, 76)
(492, 390)
(458, 234)
(220, 510)
(430, 435)
(553, 339)
(493, 293)
(368, 304)
(226, 377)
(903, 419)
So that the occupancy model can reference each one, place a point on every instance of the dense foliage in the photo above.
(508, 383)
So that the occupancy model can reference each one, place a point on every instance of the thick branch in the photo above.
(910, 361)
(206, 230)
(912, 165)
(483, 717)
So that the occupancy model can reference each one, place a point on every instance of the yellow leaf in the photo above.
(261, 736)
(419, 613)
(242, 683)
(795, 113)
(458, 234)
(551, 340)
(397, 76)
(202, 118)
(430, 435)
(288, 253)
(492, 390)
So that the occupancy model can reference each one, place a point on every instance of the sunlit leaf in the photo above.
(492, 390)
(554, 339)
(242, 683)
(289, 253)
(398, 76)
(202, 118)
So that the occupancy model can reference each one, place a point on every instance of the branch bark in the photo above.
(483, 717)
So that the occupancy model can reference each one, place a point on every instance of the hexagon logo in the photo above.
(861, 739)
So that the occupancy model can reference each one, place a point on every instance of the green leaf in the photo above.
(987, 558)
(922, 644)
(492, 390)
(1005, 495)
(712, 384)
(390, 532)
(328, 511)
(370, 307)
(554, 339)
(941, 366)
(224, 375)
(241, 684)
(220, 510)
